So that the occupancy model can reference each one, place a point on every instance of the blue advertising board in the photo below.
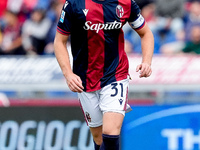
(162, 128)
(44, 128)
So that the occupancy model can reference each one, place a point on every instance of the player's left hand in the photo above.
(145, 70)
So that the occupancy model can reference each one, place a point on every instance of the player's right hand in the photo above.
(74, 83)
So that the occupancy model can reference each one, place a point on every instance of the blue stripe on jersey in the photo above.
(79, 44)
(111, 45)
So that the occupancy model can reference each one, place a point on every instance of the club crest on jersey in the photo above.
(119, 11)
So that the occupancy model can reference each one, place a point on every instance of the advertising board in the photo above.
(162, 128)
(44, 128)
(44, 73)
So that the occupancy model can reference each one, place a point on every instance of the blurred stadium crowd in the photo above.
(28, 27)
(174, 23)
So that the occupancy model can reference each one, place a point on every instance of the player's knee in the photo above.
(114, 130)
(97, 135)
(97, 138)
(99, 141)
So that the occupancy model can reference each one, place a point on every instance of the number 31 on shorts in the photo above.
(117, 88)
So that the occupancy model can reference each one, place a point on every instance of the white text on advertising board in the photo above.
(187, 137)
(54, 135)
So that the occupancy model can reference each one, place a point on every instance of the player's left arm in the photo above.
(147, 42)
(137, 22)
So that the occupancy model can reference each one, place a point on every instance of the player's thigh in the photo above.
(114, 97)
(113, 102)
(90, 107)
(112, 123)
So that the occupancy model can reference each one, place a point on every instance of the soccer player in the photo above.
(100, 64)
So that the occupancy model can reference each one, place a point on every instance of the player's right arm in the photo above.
(74, 82)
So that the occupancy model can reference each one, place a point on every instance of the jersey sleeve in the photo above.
(65, 21)
(136, 20)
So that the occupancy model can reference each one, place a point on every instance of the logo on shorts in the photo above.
(120, 101)
(87, 115)
(119, 11)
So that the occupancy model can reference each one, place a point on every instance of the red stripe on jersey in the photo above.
(122, 69)
(96, 46)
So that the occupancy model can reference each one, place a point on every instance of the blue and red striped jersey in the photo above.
(97, 39)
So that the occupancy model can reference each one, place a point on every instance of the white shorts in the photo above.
(111, 98)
